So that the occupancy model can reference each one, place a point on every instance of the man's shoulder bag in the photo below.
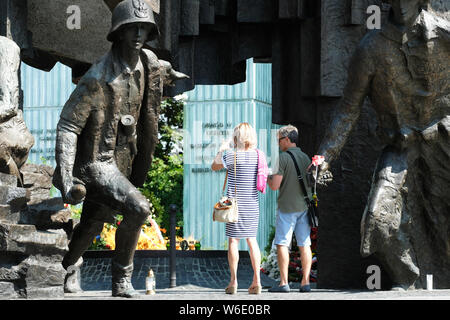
(313, 214)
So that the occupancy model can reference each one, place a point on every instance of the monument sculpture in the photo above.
(106, 137)
(15, 138)
(405, 70)
(34, 228)
(210, 41)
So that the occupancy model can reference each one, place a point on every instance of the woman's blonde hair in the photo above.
(244, 136)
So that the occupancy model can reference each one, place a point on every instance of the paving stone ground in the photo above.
(196, 302)
(204, 270)
(201, 279)
(204, 277)
(192, 292)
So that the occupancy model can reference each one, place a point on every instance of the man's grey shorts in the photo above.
(287, 223)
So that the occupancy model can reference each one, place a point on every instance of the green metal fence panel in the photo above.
(44, 95)
(210, 114)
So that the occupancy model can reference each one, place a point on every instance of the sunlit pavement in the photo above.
(200, 293)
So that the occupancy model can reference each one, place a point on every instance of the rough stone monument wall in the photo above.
(34, 231)
(34, 227)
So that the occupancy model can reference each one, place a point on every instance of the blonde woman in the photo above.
(243, 142)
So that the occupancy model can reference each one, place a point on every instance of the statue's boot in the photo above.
(73, 278)
(81, 238)
(121, 281)
(127, 236)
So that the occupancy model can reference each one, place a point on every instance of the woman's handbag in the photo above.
(313, 215)
(226, 210)
(263, 172)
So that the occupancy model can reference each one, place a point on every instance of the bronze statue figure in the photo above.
(404, 69)
(106, 137)
(15, 138)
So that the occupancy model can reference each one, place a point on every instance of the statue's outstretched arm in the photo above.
(65, 152)
(72, 122)
(348, 110)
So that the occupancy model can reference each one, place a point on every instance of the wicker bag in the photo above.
(226, 210)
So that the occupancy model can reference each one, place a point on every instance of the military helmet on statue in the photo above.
(132, 11)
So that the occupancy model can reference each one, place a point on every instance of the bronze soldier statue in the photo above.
(106, 137)
(405, 70)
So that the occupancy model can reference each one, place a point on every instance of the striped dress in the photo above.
(247, 194)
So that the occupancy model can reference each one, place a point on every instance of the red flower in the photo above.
(118, 223)
(317, 160)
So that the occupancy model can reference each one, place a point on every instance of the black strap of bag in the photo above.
(312, 214)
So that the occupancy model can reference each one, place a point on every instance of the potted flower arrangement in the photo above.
(269, 266)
